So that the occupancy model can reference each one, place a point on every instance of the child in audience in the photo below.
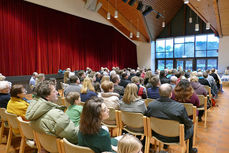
(129, 144)
(74, 110)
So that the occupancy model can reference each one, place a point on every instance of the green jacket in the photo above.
(50, 118)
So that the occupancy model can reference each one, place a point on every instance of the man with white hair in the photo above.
(4, 93)
(173, 81)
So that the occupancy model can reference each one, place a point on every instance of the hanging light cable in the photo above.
(190, 15)
(108, 13)
(197, 27)
(116, 11)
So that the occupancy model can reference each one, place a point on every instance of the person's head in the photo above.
(105, 78)
(129, 144)
(53, 80)
(87, 85)
(35, 75)
(178, 74)
(148, 75)
(194, 79)
(213, 70)
(135, 80)
(115, 79)
(205, 75)
(130, 93)
(18, 91)
(173, 80)
(199, 74)
(81, 74)
(2, 77)
(187, 75)
(94, 112)
(74, 79)
(97, 87)
(162, 73)
(107, 86)
(124, 75)
(165, 90)
(73, 98)
(5, 87)
(68, 69)
(41, 77)
(155, 81)
(47, 90)
(183, 91)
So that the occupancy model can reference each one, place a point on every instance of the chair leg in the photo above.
(205, 119)
(2, 131)
(22, 146)
(147, 145)
(187, 146)
(159, 146)
(194, 134)
(9, 140)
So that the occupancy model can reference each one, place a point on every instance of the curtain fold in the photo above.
(35, 38)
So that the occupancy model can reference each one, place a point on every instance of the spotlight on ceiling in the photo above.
(158, 15)
(186, 1)
(131, 2)
(140, 6)
(124, 1)
(147, 10)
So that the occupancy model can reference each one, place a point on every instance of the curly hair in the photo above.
(183, 91)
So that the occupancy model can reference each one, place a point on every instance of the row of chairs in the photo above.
(50, 143)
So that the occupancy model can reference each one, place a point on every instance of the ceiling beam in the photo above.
(218, 21)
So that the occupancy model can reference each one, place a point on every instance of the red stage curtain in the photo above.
(35, 38)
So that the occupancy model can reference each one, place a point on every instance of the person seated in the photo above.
(97, 88)
(129, 144)
(48, 117)
(131, 102)
(91, 134)
(166, 108)
(173, 81)
(74, 85)
(124, 80)
(198, 88)
(203, 79)
(75, 109)
(18, 104)
(141, 89)
(153, 92)
(184, 93)
(40, 78)
(117, 88)
(5, 87)
(32, 81)
(163, 77)
(111, 99)
(87, 90)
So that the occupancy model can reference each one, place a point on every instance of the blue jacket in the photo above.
(85, 97)
(153, 92)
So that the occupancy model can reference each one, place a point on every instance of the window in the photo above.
(202, 50)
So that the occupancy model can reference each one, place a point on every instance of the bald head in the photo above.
(165, 90)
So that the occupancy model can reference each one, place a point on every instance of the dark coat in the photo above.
(4, 99)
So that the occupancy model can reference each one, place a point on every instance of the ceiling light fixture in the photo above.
(197, 26)
(186, 1)
(190, 15)
(208, 26)
(116, 11)
(108, 13)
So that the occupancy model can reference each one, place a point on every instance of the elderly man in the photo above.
(74, 85)
(166, 108)
(48, 117)
(4, 93)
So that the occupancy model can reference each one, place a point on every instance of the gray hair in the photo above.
(4, 85)
(165, 90)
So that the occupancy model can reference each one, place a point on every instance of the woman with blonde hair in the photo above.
(129, 144)
(131, 102)
(87, 91)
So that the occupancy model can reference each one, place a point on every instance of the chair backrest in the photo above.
(60, 100)
(148, 100)
(164, 127)
(12, 120)
(25, 128)
(3, 114)
(132, 120)
(112, 117)
(202, 99)
(68, 147)
(48, 142)
(208, 90)
(189, 108)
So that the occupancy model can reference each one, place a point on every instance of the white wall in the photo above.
(144, 54)
(223, 53)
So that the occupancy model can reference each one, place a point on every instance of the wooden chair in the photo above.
(148, 100)
(14, 128)
(112, 122)
(209, 91)
(61, 101)
(67, 147)
(48, 142)
(4, 123)
(61, 92)
(203, 106)
(167, 128)
(191, 110)
(133, 123)
(26, 132)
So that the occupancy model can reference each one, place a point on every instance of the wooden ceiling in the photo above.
(216, 12)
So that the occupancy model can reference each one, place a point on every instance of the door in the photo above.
(185, 64)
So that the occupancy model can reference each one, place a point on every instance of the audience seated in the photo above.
(91, 133)
(153, 92)
(4, 93)
(214, 75)
(163, 77)
(173, 81)
(129, 144)
(32, 81)
(87, 91)
(40, 78)
(131, 102)
(124, 80)
(75, 109)
(74, 85)
(184, 93)
(17, 104)
(147, 77)
(111, 99)
(166, 108)
(117, 88)
(141, 89)
(48, 117)
(203, 79)
(198, 88)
